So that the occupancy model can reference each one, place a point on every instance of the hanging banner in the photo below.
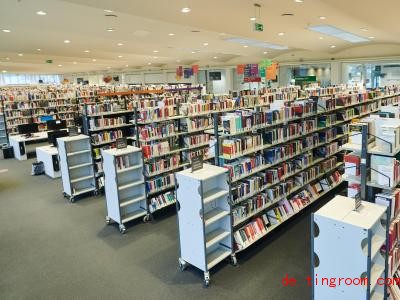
(265, 63)
(272, 72)
(262, 72)
(239, 69)
(179, 71)
(251, 73)
(254, 70)
(195, 69)
(187, 72)
(247, 70)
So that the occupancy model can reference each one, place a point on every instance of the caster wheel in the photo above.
(206, 283)
(206, 279)
(182, 265)
(96, 193)
(72, 199)
(108, 221)
(233, 261)
(122, 229)
(146, 218)
(65, 195)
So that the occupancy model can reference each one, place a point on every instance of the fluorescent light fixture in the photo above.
(6, 30)
(38, 49)
(245, 46)
(120, 56)
(20, 54)
(338, 33)
(281, 33)
(94, 59)
(252, 19)
(371, 37)
(171, 34)
(60, 65)
(4, 71)
(41, 13)
(185, 10)
(155, 51)
(67, 41)
(255, 43)
(108, 11)
(205, 44)
(126, 66)
(120, 44)
(215, 57)
(149, 63)
(193, 52)
(110, 29)
(333, 46)
(298, 1)
(86, 51)
(321, 37)
(265, 52)
(322, 18)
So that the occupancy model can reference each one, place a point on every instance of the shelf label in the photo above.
(73, 131)
(197, 163)
(121, 143)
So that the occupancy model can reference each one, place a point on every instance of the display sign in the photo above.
(73, 131)
(357, 201)
(197, 163)
(252, 79)
(195, 69)
(306, 78)
(121, 143)
(272, 72)
(258, 27)
(187, 72)
(240, 69)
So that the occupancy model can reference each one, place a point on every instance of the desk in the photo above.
(49, 156)
(19, 142)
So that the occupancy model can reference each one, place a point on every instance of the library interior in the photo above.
(173, 149)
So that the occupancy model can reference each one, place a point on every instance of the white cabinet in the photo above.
(204, 218)
(76, 166)
(124, 185)
(346, 244)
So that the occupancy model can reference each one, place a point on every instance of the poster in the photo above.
(272, 72)
(195, 69)
(239, 69)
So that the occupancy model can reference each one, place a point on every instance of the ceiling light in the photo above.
(74, 62)
(205, 44)
(178, 60)
(321, 37)
(20, 54)
(193, 52)
(298, 1)
(86, 51)
(255, 43)
(338, 33)
(126, 66)
(222, 33)
(265, 52)
(333, 46)
(171, 34)
(281, 33)
(322, 18)
(120, 44)
(120, 56)
(38, 49)
(364, 29)
(6, 30)
(4, 71)
(245, 46)
(108, 67)
(155, 57)
(149, 63)
(108, 11)
(155, 51)
(110, 29)
(215, 57)
(41, 13)
(94, 59)
(7, 58)
(60, 65)
(371, 37)
(252, 19)
(67, 41)
(185, 10)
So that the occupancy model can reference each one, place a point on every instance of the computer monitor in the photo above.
(28, 128)
(56, 125)
(53, 135)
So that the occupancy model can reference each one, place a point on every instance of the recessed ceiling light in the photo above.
(245, 46)
(94, 59)
(74, 62)
(252, 19)
(265, 52)
(371, 37)
(60, 65)
(338, 33)
(4, 71)
(6, 30)
(38, 49)
(110, 29)
(20, 54)
(281, 33)
(67, 41)
(205, 44)
(126, 66)
(120, 56)
(298, 1)
(149, 63)
(322, 18)
(86, 51)
(120, 44)
(333, 46)
(364, 29)
(215, 57)
(41, 13)
(108, 11)
(185, 10)
(321, 37)
(255, 43)
(155, 51)
(171, 34)
(193, 52)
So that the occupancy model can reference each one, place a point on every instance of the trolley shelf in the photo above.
(214, 194)
(217, 256)
(214, 215)
(215, 236)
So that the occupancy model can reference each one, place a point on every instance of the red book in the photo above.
(146, 151)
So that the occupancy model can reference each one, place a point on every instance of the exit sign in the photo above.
(49, 61)
(258, 27)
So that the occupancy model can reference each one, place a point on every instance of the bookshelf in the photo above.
(3, 130)
(204, 218)
(124, 185)
(76, 164)
(346, 243)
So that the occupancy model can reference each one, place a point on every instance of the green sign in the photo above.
(258, 27)
(265, 63)
(262, 72)
(49, 61)
(306, 78)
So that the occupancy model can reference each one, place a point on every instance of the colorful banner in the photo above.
(262, 72)
(239, 69)
(187, 72)
(265, 63)
(254, 70)
(195, 69)
(272, 72)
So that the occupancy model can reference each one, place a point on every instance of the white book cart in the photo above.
(124, 185)
(204, 218)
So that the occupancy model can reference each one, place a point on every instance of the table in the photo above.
(20, 141)
(49, 156)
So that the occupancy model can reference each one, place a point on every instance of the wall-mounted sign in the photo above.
(258, 27)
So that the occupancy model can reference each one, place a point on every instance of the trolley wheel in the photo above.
(122, 229)
(108, 220)
(72, 199)
(182, 264)
(234, 260)
(206, 279)
(96, 192)
(147, 218)
(65, 195)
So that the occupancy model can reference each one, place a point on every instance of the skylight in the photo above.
(338, 33)
(255, 43)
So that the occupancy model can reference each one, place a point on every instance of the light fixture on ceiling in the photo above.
(371, 37)
(171, 34)
(41, 13)
(255, 43)
(108, 10)
(193, 52)
(333, 46)
(7, 58)
(178, 60)
(252, 18)
(265, 52)
(94, 59)
(6, 30)
(4, 71)
(108, 67)
(120, 56)
(195, 31)
(155, 51)
(60, 65)
(67, 41)
(155, 57)
(185, 10)
(281, 33)
(74, 62)
(287, 15)
(149, 63)
(298, 1)
(86, 51)
(120, 44)
(215, 57)
(338, 33)
(322, 18)
(245, 46)
(205, 44)
(38, 49)
(20, 54)
(126, 66)
(110, 29)
(364, 29)
(321, 37)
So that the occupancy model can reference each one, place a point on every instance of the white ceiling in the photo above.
(144, 26)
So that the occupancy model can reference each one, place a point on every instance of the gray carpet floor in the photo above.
(52, 249)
